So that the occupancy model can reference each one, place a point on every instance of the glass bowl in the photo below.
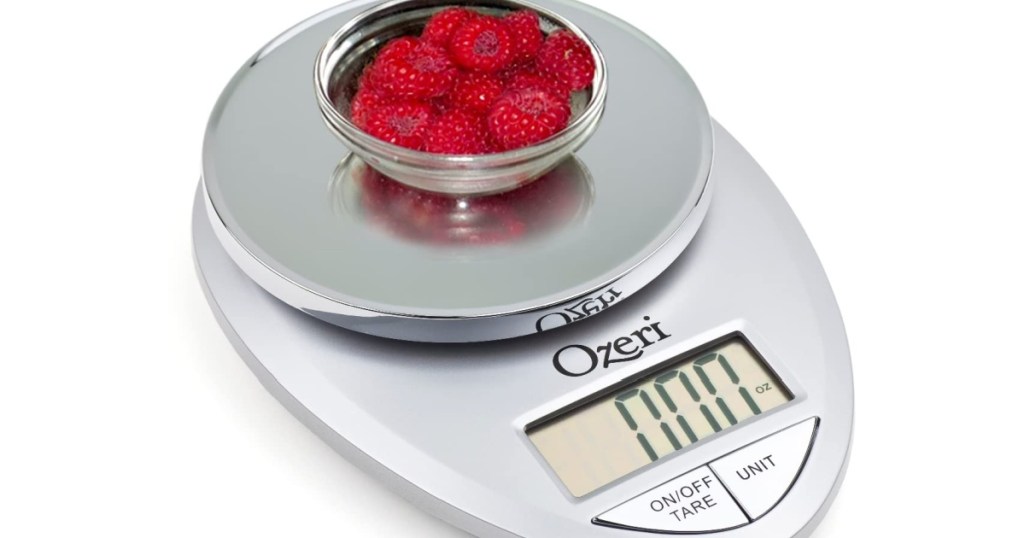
(347, 53)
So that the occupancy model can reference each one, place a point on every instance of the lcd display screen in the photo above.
(692, 398)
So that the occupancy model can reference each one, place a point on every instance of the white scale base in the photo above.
(444, 424)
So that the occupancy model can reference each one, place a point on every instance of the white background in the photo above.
(895, 129)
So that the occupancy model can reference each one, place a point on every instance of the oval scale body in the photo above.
(717, 399)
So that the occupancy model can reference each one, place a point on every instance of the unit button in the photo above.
(759, 475)
(694, 502)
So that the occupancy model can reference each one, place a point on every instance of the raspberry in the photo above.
(362, 103)
(441, 26)
(395, 48)
(524, 27)
(457, 133)
(476, 92)
(524, 80)
(414, 69)
(525, 117)
(483, 44)
(404, 123)
(567, 58)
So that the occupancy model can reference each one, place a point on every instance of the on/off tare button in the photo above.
(759, 475)
(694, 502)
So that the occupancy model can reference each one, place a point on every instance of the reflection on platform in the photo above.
(538, 209)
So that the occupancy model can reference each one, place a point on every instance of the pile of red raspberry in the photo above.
(473, 84)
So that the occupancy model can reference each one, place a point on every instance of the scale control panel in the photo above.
(730, 492)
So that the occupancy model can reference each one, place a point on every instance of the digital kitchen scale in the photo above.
(642, 341)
